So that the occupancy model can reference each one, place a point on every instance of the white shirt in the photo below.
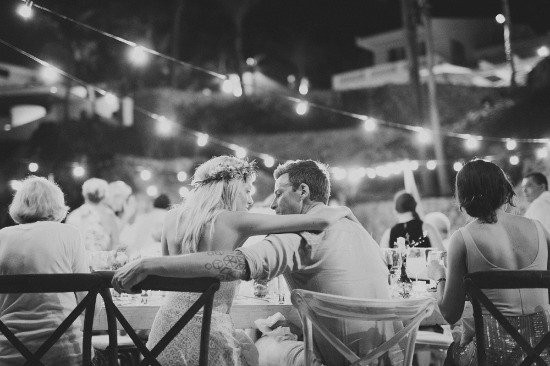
(540, 209)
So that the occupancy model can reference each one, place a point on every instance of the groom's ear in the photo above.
(303, 191)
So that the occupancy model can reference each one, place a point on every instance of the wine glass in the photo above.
(416, 262)
(393, 261)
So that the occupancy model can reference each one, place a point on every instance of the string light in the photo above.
(472, 143)
(371, 173)
(499, 17)
(431, 165)
(369, 124)
(164, 126)
(182, 176)
(457, 166)
(302, 108)
(152, 191)
(268, 161)
(79, 171)
(514, 160)
(49, 74)
(424, 136)
(202, 139)
(138, 56)
(240, 152)
(25, 10)
(511, 144)
(145, 175)
(338, 173)
(33, 167)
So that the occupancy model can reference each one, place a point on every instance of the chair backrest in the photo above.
(403, 317)
(54, 283)
(206, 286)
(478, 281)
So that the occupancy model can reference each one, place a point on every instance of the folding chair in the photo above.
(478, 281)
(403, 315)
(206, 286)
(54, 283)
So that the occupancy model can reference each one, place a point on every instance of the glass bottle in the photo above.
(404, 283)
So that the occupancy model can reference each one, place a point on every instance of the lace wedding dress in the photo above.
(227, 348)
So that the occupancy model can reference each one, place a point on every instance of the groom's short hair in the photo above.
(313, 173)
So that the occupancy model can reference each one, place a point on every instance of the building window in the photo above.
(396, 54)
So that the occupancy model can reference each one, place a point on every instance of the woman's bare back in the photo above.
(511, 243)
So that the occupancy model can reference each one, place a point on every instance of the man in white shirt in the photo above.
(535, 189)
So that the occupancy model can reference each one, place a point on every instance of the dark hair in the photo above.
(538, 178)
(162, 201)
(481, 188)
(312, 173)
(405, 202)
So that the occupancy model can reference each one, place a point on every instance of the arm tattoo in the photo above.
(229, 266)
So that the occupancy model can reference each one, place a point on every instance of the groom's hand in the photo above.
(128, 276)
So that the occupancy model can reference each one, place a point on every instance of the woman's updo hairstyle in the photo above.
(481, 188)
(405, 202)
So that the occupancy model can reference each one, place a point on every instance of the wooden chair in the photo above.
(50, 283)
(206, 286)
(405, 315)
(478, 281)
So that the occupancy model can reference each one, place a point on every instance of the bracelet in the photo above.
(440, 280)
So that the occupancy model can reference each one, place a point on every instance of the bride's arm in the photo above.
(249, 224)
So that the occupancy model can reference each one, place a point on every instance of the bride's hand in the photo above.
(333, 214)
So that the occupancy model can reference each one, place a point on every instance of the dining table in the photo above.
(140, 311)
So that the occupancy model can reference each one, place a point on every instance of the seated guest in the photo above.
(409, 226)
(96, 222)
(40, 244)
(535, 189)
(494, 241)
(343, 259)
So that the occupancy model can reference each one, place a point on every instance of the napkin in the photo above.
(266, 327)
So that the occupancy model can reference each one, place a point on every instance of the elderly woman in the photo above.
(40, 244)
(494, 241)
(97, 223)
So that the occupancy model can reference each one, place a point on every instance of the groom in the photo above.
(342, 260)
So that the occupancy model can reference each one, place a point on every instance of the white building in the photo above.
(459, 44)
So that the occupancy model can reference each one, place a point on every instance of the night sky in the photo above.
(310, 37)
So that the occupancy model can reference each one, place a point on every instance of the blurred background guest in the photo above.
(40, 244)
(442, 224)
(410, 226)
(146, 242)
(496, 240)
(96, 222)
(124, 205)
(535, 189)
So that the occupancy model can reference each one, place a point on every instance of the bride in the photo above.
(214, 217)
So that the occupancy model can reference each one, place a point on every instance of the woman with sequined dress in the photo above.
(494, 241)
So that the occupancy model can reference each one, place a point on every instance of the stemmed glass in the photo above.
(393, 260)
(416, 261)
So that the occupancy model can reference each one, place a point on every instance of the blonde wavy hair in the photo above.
(215, 191)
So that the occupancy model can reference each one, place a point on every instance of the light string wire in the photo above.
(141, 110)
(132, 44)
(386, 123)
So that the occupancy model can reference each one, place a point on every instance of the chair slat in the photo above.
(312, 305)
(206, 286)
(478, 281)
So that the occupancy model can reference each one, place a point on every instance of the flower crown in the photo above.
(226, 172)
